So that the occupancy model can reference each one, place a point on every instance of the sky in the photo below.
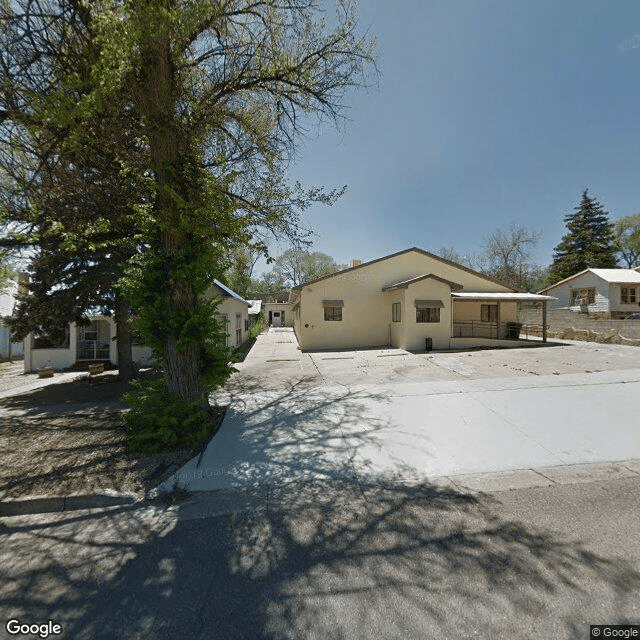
(485, 113)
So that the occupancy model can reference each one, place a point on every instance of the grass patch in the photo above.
(255, 329)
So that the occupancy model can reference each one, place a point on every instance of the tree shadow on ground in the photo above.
(322, 554)
(88, 394)
(324, 560)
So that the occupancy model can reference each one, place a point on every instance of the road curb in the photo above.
(565, 474)
(53, 504)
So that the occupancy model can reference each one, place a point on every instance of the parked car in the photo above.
(633, 316)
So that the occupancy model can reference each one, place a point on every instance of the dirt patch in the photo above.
(68, 438)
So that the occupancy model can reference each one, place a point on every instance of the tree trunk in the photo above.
(170, 155)
(126, 370)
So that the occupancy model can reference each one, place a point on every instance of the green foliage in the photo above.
(293, 267)
(157, 422)
(257, 326)
(255, 329)
(588, 243)
(627, 234)
(191, 268)
(7, 270)
(211, 100)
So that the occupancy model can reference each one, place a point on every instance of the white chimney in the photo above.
(355, 263)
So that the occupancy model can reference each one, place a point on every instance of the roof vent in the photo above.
(355, 263)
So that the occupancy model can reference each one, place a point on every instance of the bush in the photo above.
(157, 421)
(257, 326)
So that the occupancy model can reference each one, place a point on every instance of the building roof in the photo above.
(626, 276)
(229, 292)
(512, 297)
(399, 253)
(406, 283)
(618, 275)
(255, 308)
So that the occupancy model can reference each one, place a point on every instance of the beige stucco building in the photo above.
(411, 300)
(279, 314)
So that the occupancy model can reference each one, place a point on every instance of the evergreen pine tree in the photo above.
(589, 241)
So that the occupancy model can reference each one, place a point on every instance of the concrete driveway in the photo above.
(536, 416)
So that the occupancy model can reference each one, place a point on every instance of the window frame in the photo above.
(581, 293)
(238, 328)
(628, 295)
(491, 314)
(396, 312)
(427, 315)
(331, 314)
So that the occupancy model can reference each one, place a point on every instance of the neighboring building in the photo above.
(254, 310)
(277, 308)
(96, 341)
(81, 345)
(411, 300)
(8, 348)
(279, 314)
(605, 293)
(233, 312)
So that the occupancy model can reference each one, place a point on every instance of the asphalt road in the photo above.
(334, 561)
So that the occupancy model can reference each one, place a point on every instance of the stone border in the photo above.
(52, 504)
(203, 504)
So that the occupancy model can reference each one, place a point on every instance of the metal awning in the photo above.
(429, 304)
(333, 303)
(501, 297)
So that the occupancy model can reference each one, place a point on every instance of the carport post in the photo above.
(544, 321)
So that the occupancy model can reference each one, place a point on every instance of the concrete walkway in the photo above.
(547, 428)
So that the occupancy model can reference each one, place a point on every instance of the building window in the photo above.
(628, 295)
(238, 328)
(489, 313)
(333, 313)
(395, 312)
(50, 340)
(428, 314)
(90, 332)
(223, 320)
(587, 295)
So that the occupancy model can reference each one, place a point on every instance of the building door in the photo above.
(277, 321)
(93, 341)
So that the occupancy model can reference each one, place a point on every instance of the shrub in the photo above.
(157, 421)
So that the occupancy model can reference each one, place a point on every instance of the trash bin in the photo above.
(428, 344)
(513, 330)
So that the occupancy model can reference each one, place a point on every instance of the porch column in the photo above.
(73, 341)
(544, 321)
(498, 321)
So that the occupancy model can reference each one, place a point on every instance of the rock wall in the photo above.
(568, 325)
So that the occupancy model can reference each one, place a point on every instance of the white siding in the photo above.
(586, 280)
(615, 303)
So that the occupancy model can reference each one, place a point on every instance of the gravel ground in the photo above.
(12, 376)
(67, 438)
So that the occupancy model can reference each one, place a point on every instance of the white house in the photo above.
(97, 341)
(606, 293)
(233, 312)
(8, 348)
(81, 345)
(412, 300)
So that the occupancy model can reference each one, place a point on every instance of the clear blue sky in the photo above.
(487, 112)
